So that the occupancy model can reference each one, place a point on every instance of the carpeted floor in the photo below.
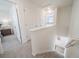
(13, 49)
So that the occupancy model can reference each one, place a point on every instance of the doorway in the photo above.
(9, 26)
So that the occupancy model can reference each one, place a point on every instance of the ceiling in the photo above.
(44, 3)
(56, 3)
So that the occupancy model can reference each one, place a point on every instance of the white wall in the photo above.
(63, 20)
(73, 52)
(74, 29)
(32, 16)
(28, 17)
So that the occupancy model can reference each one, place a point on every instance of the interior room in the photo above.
(7, 31)
(39, 28)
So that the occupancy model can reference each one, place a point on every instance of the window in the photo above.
(49, 15)
(50, 19)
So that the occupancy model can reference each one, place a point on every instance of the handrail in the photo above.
(71, 43)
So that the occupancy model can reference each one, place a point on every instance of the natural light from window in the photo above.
(49, 15)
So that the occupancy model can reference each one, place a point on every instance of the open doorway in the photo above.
(9, 26)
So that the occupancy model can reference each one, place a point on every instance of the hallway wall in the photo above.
(63, 20)
(29, 16)
(74, 29)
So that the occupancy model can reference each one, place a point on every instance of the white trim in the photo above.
(43, 27)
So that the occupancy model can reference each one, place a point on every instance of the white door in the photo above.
(15, 22)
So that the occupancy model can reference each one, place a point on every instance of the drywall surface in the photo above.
(63, 20)
(43, 40)
(28, 15)
(74, 29)
(72, 52)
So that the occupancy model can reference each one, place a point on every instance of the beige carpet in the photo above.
(13, 49)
